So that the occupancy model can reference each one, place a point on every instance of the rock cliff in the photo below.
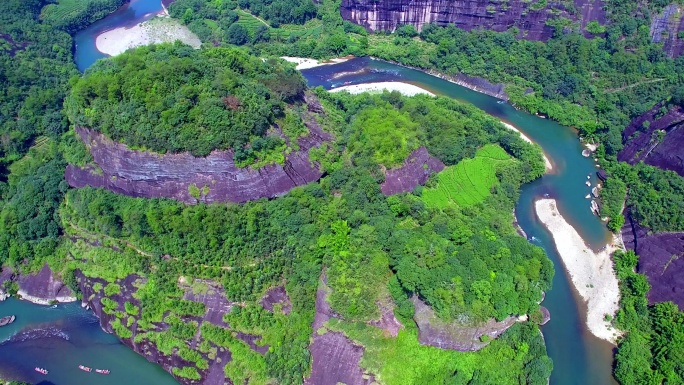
(151, 175)
(530, 17)
(335, 358)
(415, 171)
(657, 139)
(42, 288)
(453, 336)
(665, 28)
(661, 259)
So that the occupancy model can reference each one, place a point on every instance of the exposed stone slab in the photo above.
(336, 360)
(43, 288)
(661, 259)
(335, 357)
(277, 295)
(454, 336)
(642, 144)
(665, 28)
(415, 171)
(152, 175)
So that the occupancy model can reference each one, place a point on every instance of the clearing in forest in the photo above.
(469, 182)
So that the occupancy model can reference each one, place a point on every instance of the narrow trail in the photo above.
(613, 90)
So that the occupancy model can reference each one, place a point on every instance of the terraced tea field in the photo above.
(469, 182)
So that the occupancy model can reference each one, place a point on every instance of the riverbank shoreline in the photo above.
(591, 273)
(303, 63)
(474, 83)
(159, 29)
(406, 89)
(547, 161)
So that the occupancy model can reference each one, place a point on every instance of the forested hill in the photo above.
(161, 273)
(450, 244)
(175, 99)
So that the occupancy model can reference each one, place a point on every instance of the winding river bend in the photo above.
(579, 358)
(68, 335)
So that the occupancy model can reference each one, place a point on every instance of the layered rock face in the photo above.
(386, 15)
(41, 287)
(453, 336)
(335, 358)
(151, 175)
(665, 28)
(661, 259)
(656, 139)
(415, 171)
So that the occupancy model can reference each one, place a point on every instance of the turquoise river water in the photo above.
(62, 337)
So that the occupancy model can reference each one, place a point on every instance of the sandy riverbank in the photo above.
(154, 31)
(404, 88)
(547, 162)
(591, 273)
(305, 63)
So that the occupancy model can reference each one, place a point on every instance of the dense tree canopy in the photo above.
(73, 15)
(652, 352)
(35, 66)
(174, 98)
(468, 263)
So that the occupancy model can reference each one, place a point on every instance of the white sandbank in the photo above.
(591, 273)
(157, 30)
(547, 162)
(305, 63)
(404, 88)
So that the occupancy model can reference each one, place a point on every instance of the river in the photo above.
(136, 11)
(62, 337)
(68, 335)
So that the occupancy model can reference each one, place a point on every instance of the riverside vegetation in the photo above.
(597, 85)
(464, 260)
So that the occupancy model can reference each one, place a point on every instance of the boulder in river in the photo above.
(7, 320)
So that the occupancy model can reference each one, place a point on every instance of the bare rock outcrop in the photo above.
(661, 259)
(665, 28)
(151, 175)
(215, 302)
(415, 171)
(387, 321)
(335, 357)
(546, 316)
(657, 139)
(41, 288)
(277, 295)
(386, 15)
(454, 336)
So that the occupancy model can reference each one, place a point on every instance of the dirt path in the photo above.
(613, 90)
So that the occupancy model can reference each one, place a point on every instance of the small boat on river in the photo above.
(7, 320)
(102, 371)
(85, 368)
(41, 371)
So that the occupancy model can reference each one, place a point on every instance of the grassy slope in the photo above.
(469, 182)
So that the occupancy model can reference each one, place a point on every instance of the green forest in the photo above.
(653, 350)
(345, 224)
(176, 98)
(597, 85)
(450, 242)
